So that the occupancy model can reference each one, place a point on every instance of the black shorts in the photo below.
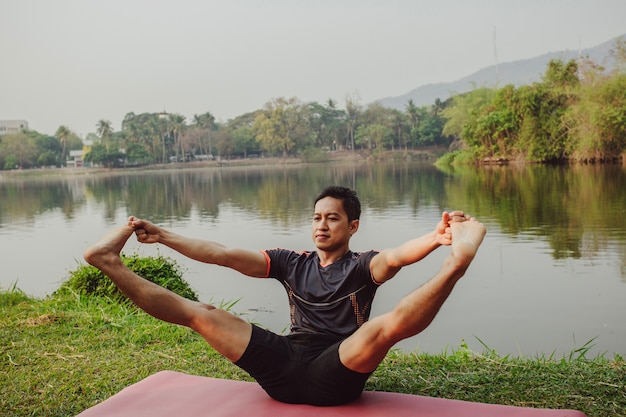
(301, 369)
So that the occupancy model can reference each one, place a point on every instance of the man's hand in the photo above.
(145, 231)
(443, 232)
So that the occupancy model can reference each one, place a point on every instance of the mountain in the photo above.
(521, 72)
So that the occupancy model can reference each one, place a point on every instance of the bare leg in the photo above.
(367, 347)
(227, 333)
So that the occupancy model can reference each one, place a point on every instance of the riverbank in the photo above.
(61, 355)
(425, 155)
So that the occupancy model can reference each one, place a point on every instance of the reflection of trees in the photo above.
(569, 206)
(578, 210)
(386, 186)
(29, 198)
(283, 195)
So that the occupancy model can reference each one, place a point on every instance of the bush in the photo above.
(462, 157)
(314, 155)
(90, 281)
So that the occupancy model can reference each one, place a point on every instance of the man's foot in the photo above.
(108, 248)
(466, 238)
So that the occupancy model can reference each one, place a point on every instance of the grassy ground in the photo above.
(59, 356)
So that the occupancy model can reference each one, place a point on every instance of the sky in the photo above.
(75, 62)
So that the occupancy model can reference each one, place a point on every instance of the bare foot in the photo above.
(466, 238)
(108, 248)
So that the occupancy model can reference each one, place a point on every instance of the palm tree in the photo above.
(353, 112)
(205, 121)
(104, 130)
(413, 112)
(176, 127)
(63, 133)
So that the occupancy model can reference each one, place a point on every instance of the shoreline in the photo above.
(426, 155)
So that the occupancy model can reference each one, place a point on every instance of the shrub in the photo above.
(461, 157)
(90, 281)
(314, 155)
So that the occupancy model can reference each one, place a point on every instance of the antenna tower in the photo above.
(495, 55)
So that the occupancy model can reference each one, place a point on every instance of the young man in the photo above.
(332, 348)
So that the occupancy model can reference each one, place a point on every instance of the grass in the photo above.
(68, 352)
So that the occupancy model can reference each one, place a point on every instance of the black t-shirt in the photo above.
(333, 300)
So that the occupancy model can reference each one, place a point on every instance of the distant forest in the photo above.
(577, 112)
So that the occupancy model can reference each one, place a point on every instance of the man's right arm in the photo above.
(247, 262)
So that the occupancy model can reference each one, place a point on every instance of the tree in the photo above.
(561, 75)
(136, 154)
(18, 150)
(99, 154)
(48, 150)
(74, 142)
(144, 129)
(464, 107)
(223, 143)
(281, 125)
(63, 133)
(327, 123)
(596, 122)
(543, 113)
(104, 131)
(400, 129)
(243, 140)
(204, 123)
(373, 135)
(413, 114)
(176, 126)
(353, 113)
(526, 122)
(377, 127)
(336, 122)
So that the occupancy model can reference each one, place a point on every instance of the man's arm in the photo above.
(247, 262)
(388, 262)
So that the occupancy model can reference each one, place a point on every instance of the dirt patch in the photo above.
(40, 321)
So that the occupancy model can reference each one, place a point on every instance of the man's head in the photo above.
(348, 198)
(335, 219)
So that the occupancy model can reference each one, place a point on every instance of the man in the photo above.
(332, 348)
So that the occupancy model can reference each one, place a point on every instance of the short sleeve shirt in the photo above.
(333, 300)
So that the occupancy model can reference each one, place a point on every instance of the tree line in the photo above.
(576, 112)
(283, 127)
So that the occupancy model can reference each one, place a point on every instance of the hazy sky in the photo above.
(74, 62)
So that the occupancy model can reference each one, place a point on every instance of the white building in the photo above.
(12, 126)
(76, 158)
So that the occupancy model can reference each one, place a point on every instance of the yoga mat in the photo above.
(170, 394)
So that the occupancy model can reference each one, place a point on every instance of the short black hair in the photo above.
(348, 197)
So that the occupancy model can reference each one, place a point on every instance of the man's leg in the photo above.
(228, 334)
(367, 347)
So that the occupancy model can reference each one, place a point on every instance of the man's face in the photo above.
(330, 227)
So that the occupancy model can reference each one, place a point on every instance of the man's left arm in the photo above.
(388, 262)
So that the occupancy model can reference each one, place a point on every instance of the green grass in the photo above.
(68, 352)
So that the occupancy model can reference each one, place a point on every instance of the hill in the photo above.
(521, 72)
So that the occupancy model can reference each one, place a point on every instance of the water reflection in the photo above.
(578, 210)
(553, 264)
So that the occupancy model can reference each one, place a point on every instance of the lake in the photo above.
(549, 278)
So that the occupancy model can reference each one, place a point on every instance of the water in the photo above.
(549, 277)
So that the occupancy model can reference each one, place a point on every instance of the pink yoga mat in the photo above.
(175, 394)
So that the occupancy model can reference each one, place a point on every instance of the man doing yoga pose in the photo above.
(332, 347)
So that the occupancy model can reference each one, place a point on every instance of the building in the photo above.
(8, 127)
(76, 158)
